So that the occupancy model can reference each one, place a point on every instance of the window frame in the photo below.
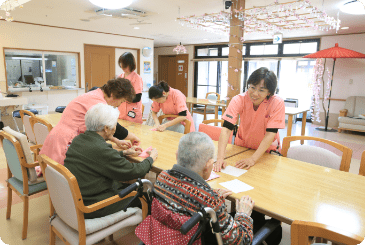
(247, 56)
(43, 52)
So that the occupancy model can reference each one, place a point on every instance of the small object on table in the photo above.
(236, 186)
(213, 175)
(144, 154)
(236, 172)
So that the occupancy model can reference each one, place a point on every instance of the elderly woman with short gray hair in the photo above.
(183, 190)
(98, 167)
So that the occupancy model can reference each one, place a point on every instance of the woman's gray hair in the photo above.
(195, 150)
(101, 115)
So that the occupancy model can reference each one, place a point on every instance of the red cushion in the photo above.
(163, 227)
(213, 131)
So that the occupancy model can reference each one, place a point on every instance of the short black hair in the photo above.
(156, 91)
(269, 77)
(127, 60)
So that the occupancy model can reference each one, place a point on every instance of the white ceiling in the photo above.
(164, 29)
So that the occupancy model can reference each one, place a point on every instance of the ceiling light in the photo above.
(345, 28)
(353, 7)
(111, 4)
(136, 28)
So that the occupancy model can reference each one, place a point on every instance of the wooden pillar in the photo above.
(235, 57)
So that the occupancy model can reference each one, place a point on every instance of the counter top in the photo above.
(37, 89)
(9, 101)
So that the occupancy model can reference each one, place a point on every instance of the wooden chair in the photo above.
(302, 233)
(40, 128)
(207, 109)
(186, 121)
(362, 165)
(143, 119)
(26, 115)
(22, 177)
(213, 131)
(67, 209)
(317, 155)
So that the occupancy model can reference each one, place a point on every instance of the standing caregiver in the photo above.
(261, 114)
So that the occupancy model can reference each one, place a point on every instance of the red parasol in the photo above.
(334, 53)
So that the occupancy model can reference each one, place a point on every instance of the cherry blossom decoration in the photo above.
(10, 5)
(276, 17)
(179, 49)
(320, 75)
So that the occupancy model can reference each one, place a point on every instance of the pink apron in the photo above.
(72, 123)
(132, 111)
(175, 103)
(253, 124)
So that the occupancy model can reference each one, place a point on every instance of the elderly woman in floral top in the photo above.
(183, 190)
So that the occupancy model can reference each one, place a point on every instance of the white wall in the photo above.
(26, 36)
(345, 69)
(168, 51)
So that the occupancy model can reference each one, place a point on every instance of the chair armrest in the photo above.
(102, 204)
(30, 165)
(343, 113)
(35, 147)
(265, 231)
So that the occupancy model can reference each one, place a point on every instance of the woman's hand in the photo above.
(123, 144)
(219, 164)
(133, 151)
(245, 163)
(224, 192)
(153, 153)
(245, 205)
(161, 128)
(134, 140)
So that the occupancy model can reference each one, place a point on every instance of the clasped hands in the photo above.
(160, 128)
(244, 163)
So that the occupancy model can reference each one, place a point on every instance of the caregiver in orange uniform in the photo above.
(72, 122)
(261, 113)
(173, 102)
(131, 111)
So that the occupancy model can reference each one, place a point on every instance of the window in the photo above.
(264, 49)
(300, 48)
(208, 52)
(41, 68)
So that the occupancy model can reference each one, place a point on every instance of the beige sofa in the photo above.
(349, 117)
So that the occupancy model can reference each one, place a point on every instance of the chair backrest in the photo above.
(26, 115)
(302, 232)
(63, 190)
(317, 155)
(186, 121)
(213, 131)
(40, 128)
(16, 150)
(212, 96)
(362, 165)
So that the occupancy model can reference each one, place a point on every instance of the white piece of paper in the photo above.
(236, 186)
(236, 172)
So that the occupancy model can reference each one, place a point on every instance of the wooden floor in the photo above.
(38, 231)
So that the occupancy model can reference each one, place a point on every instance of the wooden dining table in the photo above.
(284, 188)
(191, 101)
(289, 190)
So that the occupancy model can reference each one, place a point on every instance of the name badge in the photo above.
(131, 114)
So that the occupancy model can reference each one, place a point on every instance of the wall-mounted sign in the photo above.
(181, 61)
(181, 67)
(278, 38)
(146, 67)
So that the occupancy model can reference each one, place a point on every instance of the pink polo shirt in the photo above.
(126, 107)
(71, 124)
(175, 103)
(253, 124)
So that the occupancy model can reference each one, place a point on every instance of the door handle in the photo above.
(87, 87)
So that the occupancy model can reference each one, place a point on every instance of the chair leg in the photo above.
(111, 238)
(16, 125)
(25, 217)
(52, 240)
(10, 198)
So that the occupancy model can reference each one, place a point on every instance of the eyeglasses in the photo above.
(260, 91)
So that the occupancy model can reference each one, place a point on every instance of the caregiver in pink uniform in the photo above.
(261, 114)
(173, 102)
(72, 122)
(131, 111)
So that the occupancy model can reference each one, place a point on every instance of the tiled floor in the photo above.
(38, 231)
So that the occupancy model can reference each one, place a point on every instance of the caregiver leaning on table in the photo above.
(261, 113)
(72, 122)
